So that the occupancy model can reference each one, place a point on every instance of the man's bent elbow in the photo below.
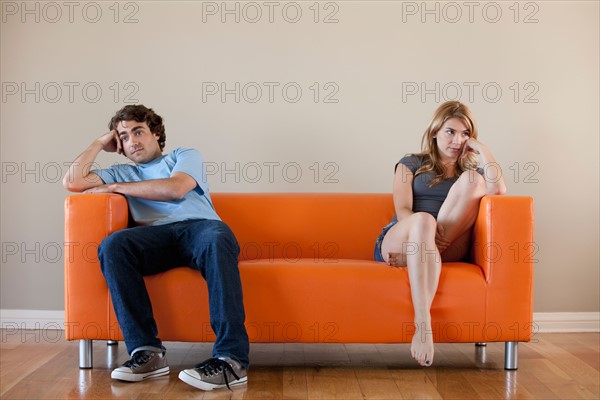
(68, 183)
(74, 188)
(178, 195)
(71, 185)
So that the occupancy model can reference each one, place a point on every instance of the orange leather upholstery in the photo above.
(308, 275)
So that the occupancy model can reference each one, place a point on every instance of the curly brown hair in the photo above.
(141, 113)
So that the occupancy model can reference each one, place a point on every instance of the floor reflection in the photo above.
(510, 384)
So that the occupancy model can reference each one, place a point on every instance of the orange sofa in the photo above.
(308, 274)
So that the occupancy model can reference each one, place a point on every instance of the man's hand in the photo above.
(79, 178)
(164, 189)
(111, 142)
(107, 188)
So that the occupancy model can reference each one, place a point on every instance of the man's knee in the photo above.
(111, 246)
(112, 242)
(220, 236)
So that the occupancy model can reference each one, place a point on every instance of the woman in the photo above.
(436, 198)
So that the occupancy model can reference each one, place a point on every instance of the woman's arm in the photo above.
(403, 192)
(494, 182)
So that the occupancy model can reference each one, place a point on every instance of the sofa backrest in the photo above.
(320, 226)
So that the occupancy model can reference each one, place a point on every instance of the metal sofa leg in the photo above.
(85, 353)
(112, 342)
(511, 355)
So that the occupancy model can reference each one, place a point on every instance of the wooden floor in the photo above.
(42, 365)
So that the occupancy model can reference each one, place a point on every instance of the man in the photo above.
(176, 224)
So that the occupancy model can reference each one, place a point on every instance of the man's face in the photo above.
(140, 145)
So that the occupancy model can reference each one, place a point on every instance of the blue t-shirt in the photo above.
(196, 204)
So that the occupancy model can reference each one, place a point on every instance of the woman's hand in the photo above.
(494, 184)
(472, 146)
(440, 239)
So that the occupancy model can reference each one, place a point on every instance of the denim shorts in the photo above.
(377, 254)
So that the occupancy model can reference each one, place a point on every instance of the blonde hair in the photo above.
(429, 148)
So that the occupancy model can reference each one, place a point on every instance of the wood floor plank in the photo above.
(377, 383)
(25, 354)
(451, 384)
(569, 391)
(414, 384)
(266, 383)
(491, 384)
(570, 365)
(583, 346)
(332, 383)
(592, 340)
(554, 366)
(527, 383)
(295, 386)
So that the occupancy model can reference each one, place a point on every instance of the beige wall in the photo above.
(529, 72)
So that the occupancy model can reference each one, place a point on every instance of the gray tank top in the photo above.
(426, 199)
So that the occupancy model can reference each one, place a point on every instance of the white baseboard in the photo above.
(567, 322)
(32, 319)
(543, 322)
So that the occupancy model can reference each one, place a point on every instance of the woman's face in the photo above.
(451, 138)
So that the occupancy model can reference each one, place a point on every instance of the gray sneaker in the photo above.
(144, 364)
(215, 373)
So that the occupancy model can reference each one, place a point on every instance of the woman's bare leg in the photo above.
(411, 243)
(458, 213)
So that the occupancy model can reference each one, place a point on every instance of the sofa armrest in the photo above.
(89, 218)
(503, 243)
(94, 216)
(504, 247)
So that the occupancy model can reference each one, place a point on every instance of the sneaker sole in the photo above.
(190, 380)
(129, 377)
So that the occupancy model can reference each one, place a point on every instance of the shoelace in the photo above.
(138, 359)
(214, 366)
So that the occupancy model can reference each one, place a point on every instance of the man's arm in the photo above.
(167, 189)
(78, 177)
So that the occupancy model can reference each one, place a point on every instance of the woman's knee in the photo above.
(423, 225)
(471, 183)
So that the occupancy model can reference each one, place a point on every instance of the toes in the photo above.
(424, 359)
(428, 360)
(419, 358)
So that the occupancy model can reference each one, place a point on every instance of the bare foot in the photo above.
(396, 260)
(421, 348)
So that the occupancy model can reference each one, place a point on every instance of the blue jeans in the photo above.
(209, 246)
